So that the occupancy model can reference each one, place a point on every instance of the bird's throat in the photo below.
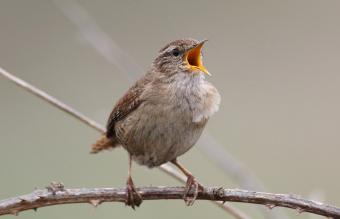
(194, 60)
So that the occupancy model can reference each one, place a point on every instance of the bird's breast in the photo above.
(201, 97)
(169, 122)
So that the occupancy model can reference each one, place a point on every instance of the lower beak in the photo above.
(193, 58)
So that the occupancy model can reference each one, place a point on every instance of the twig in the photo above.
(98, 39)
(96, 196)
(52, 100)
(239, 172)
(236, 169)
(57, 103)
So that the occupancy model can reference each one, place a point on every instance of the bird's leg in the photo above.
(133, 198)
(191, 182)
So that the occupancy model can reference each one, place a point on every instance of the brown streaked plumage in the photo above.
(164, 113)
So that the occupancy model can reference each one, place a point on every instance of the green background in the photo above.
(275, 63)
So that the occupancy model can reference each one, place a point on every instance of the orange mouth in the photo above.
(193, 59)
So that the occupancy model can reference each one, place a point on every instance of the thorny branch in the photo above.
(96, 196)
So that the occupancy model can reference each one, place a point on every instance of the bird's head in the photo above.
(181, 56)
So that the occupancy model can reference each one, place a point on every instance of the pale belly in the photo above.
(153, 136)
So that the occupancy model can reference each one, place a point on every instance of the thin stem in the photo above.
(52, 100)
(95, 196)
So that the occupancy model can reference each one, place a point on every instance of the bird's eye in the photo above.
(175, 52)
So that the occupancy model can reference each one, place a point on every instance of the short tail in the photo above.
(103, 143)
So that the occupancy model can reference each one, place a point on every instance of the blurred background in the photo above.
(275, 63)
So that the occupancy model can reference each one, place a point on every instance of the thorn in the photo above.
(300, 210)
(55, 187)
(14, 212)
(22, 200)
(95, 202)
(219, 192)
(270, 206)
(41, 197)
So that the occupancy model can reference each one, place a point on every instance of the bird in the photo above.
(163, 114)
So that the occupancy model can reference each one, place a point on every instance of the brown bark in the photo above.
(96, 196)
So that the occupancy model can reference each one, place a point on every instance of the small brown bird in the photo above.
(163, 114)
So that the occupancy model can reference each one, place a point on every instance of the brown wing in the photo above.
(125, 105)
(129, 102)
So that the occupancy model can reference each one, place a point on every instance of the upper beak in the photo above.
(193, 58)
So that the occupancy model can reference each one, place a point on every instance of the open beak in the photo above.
(193, 58)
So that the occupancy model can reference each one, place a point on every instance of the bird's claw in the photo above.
(191, 183)
(133, 198)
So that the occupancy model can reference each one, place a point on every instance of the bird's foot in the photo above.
(133, 198)
(191, 184)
